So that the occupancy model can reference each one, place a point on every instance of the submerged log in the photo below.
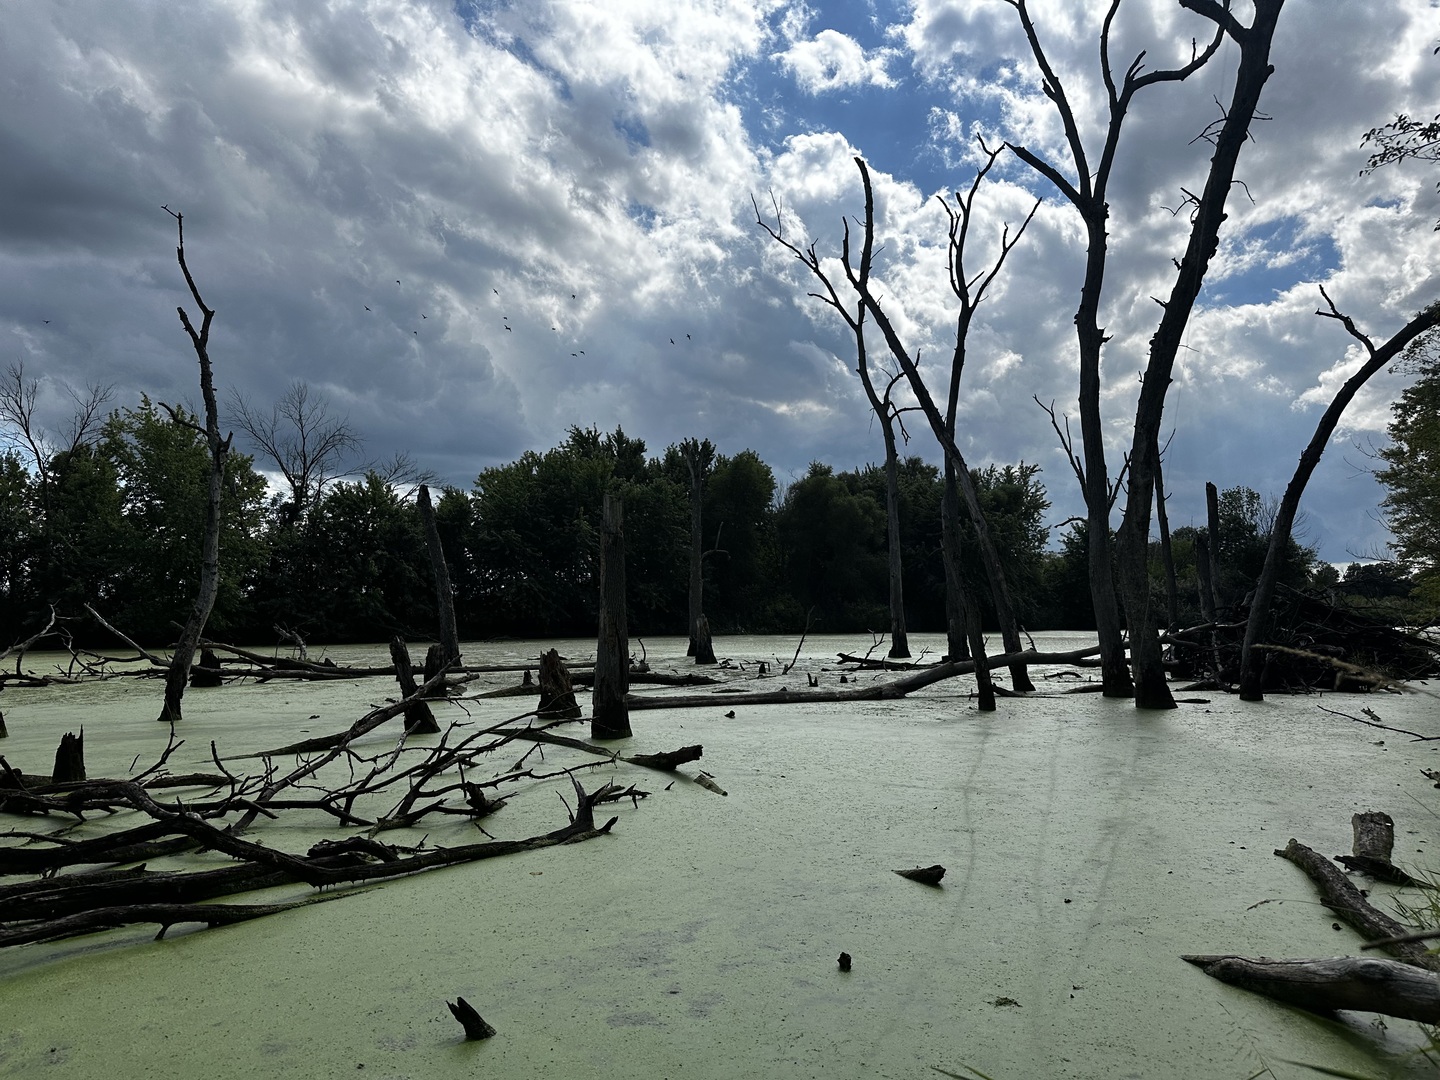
(557, 695)
(1366, 984)
(474, 1025)
(419, 720)
(926, 875)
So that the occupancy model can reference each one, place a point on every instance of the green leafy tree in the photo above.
(1412, 470)
(161, 473)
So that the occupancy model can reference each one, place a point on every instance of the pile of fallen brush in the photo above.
(76, 879)
(1313, 645)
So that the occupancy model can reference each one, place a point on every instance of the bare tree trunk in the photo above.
(957, 639)
(1212, 526)
(1258, 623)
(219, 448)
(444, 594)
(611, 714)
(419, 720)
(699, 457)
(1167, 556)
(1133, 537)
(899, 639)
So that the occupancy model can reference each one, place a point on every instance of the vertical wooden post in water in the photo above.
(611, 716)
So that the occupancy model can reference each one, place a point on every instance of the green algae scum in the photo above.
(1087, 846)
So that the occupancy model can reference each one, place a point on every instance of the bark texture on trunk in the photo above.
(611, 713)
(1133, 537)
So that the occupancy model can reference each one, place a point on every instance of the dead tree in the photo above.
(699, 458)
(612, 651)
(1257, 625)
(219, 449)
(970, 292)
(885, 410)
(1089, 194)
(444, 594)
(1132, 539)
(307, 444)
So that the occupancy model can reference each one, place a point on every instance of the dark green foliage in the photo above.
(119, 527)
(1412, 470)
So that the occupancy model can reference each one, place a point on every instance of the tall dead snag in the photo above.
(1089, 195)
(611, 714)
(699, 458)
(1257, 625)
(889, 419)
(971, 293)
(1132, 539)
(444, 594)
(883, 407)
(219, 449)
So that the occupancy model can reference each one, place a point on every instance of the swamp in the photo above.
(1088, 847)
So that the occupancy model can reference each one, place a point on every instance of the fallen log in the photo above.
(882, 691)
(1345, 900)
(1365, 984)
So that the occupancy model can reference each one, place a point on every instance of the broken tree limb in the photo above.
(419, 720)
(1340, 896)
(1366, 984)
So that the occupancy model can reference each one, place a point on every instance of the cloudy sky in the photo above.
(472, 225)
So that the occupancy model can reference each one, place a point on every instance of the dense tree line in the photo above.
(114, 521)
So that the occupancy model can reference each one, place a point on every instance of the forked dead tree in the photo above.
(219, 449)
(1089, 194)
(970, 292)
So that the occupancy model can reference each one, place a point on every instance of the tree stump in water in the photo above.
(434, 664)
(704, 650)
(208, 671)
(419, 720)
(1374, 843)
(557, 694)
(69, 759)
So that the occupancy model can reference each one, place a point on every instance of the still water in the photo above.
(1088, 846)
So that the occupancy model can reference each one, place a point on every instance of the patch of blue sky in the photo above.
(633, 130)
(1271, 258)
(644, 216)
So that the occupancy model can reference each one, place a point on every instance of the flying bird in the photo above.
(424, 316)
(510, 328)
(397, 281)
(495, 291)
(687, 337)
(672, 341)
(582, 352)
(367, 307)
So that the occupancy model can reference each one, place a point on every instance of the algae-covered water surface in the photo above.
(1088, 846)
